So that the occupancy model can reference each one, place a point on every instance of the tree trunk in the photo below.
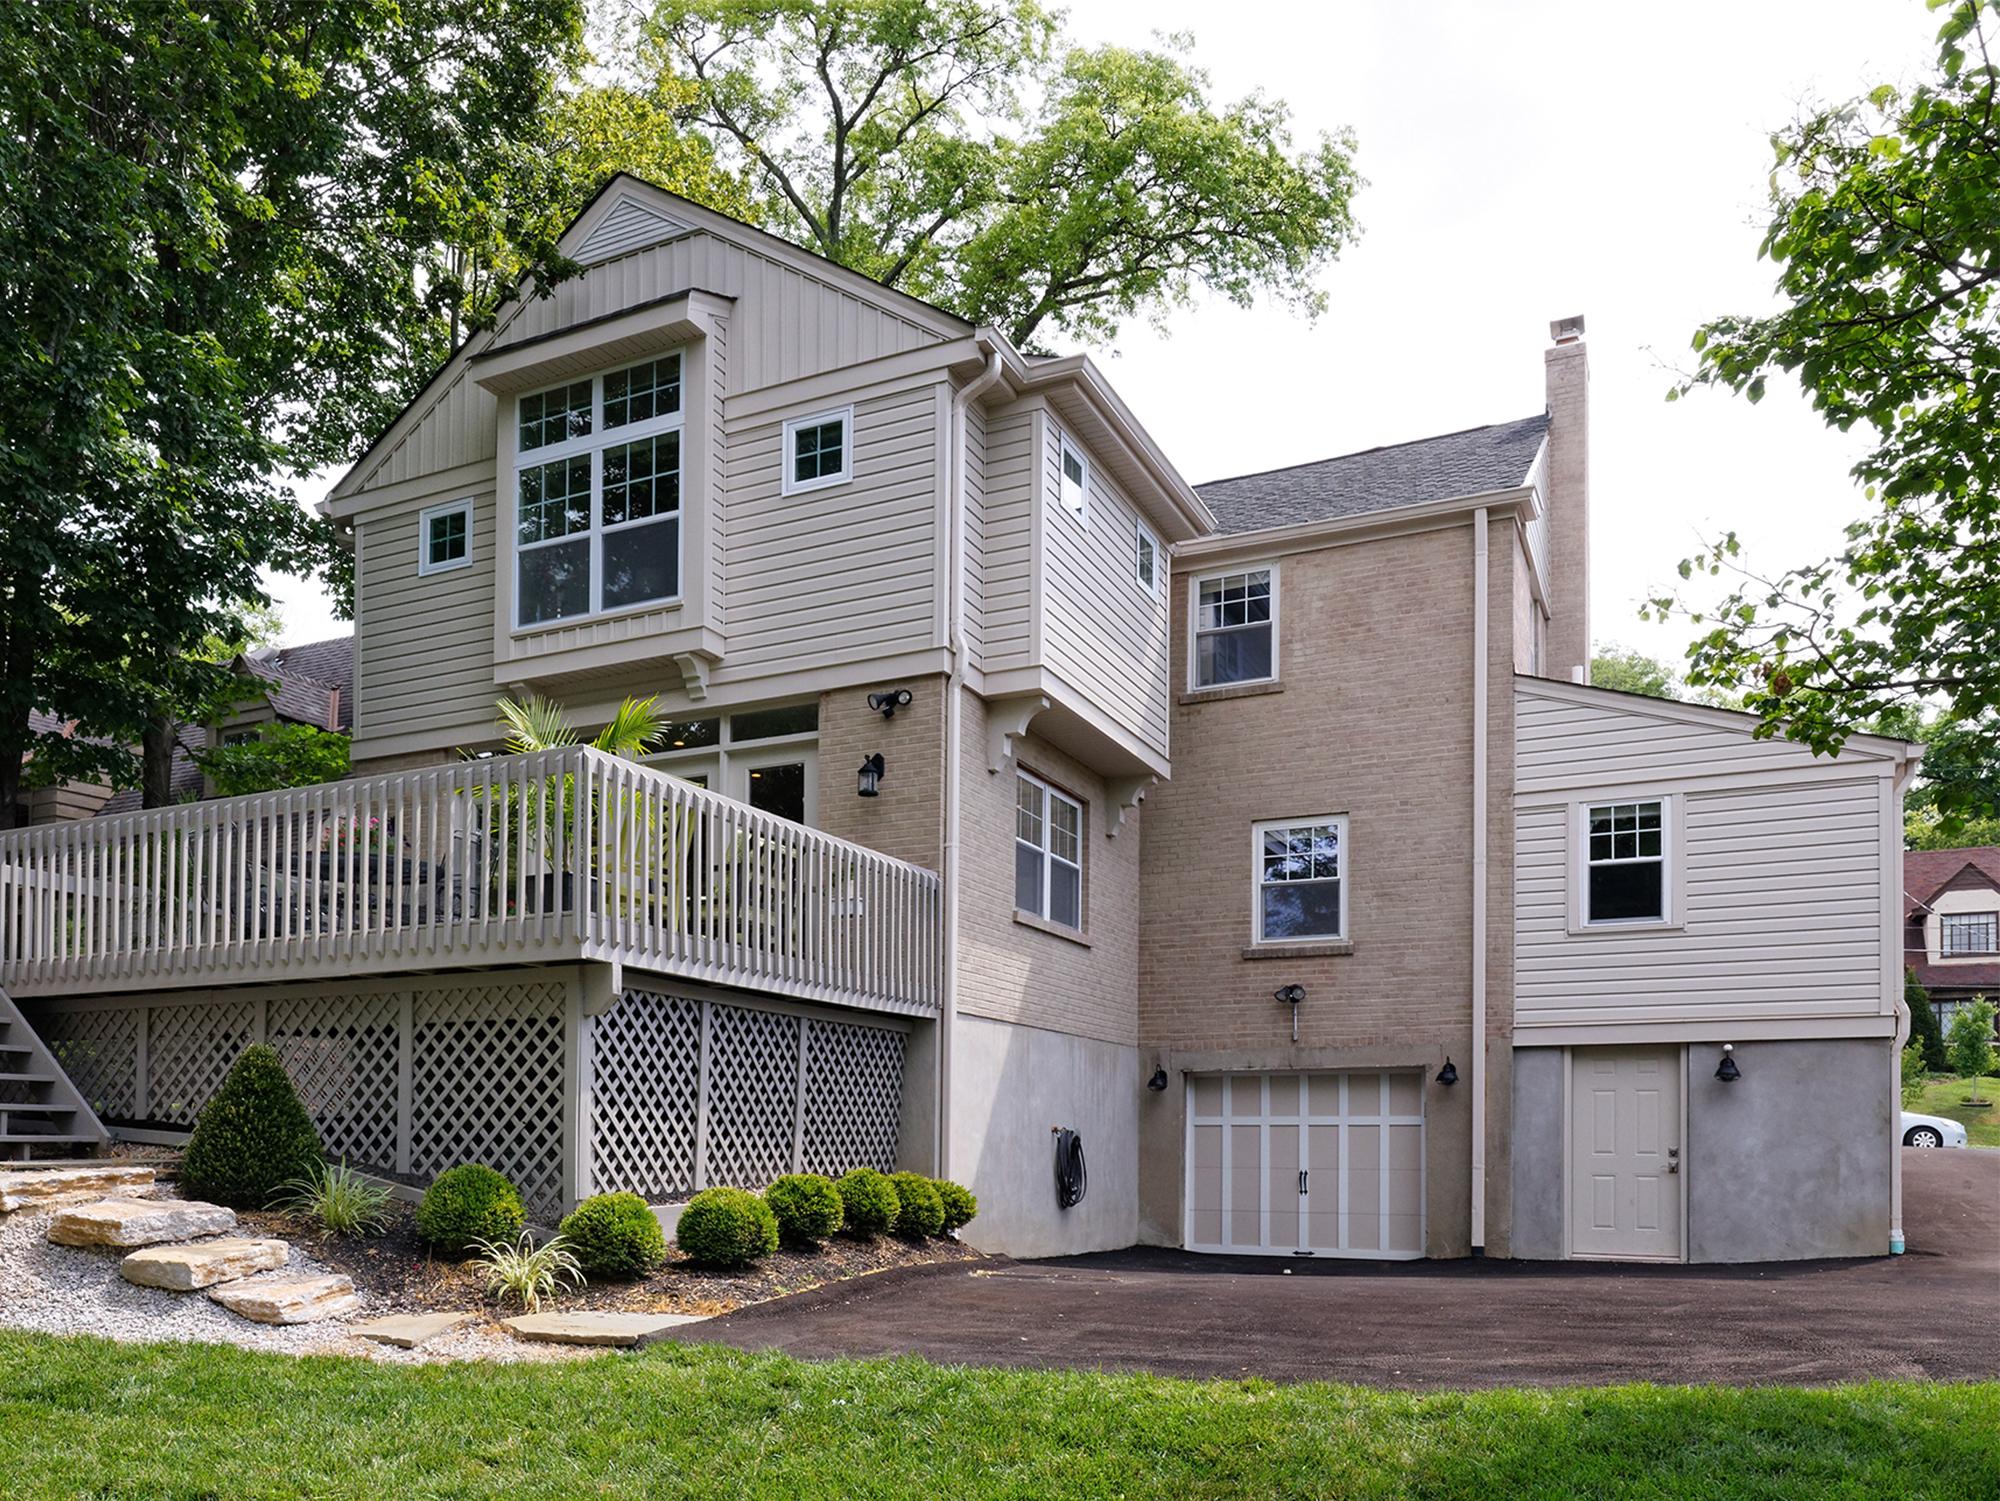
(10, 790)
(156, 745)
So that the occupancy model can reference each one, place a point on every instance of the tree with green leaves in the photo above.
(1628, 671)
(1885, 229)
(962, 151)
(227, 242)
(1925, 1034)
(276, 757)
(1970, 1041)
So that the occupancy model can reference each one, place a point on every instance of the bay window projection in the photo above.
(1048, 852)
(598, 494)
(1234, 640)
(1301, 893)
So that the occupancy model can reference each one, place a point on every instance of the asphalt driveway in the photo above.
(1933, 1313)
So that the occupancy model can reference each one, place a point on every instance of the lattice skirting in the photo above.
(688, 1093)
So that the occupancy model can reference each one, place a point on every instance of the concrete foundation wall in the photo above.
(1793, 1159)
(1010, 1085)
(1538, 1153)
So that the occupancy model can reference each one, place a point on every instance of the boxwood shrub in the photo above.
(727, 1227)
(868, 1203)
(920, 1211)
(807, 1207)
(469, 1204)
(959, 1204)
(614, 1235)
(252, 1138)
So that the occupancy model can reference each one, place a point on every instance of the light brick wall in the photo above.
(907, 818)
(1568, 374)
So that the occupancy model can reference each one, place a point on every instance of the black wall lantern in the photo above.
(1158, 1083)
(1726, 1070)
(888, 701)
(1291, 995)
(1448, 1075)
(870, 776)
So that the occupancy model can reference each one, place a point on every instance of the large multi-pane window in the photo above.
(1234, 628)
(1048, 852)
(1969, 932)
(1301, 893)
(598, 494)
(1626, 862)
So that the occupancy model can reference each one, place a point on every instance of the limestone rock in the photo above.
(587, 1328)
(47, 1188)
(139, 1222)
(408, 1330)
(288, 1300)
(184, 1269)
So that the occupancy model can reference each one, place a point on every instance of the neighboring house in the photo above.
(1951, 907)
(1256, 832)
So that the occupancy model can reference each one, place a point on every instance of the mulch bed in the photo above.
(401, 1271)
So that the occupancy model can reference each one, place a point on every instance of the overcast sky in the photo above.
(1526, 160)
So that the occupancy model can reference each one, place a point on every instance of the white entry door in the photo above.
(1309, 1164)
(1625, 1153)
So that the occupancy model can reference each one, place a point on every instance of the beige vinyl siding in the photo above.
(973, 600)
(1007, 550)
(842, 573)
(1104, 634)
(425, 641)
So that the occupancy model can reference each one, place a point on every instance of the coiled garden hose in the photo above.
(1072, 1179)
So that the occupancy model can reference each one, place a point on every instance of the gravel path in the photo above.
(69, 1290)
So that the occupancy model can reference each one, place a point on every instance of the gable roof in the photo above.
(310, 684)
(1495, 457)
(1927, 873)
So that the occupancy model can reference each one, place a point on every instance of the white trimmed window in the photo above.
(1301, 879)
(444, 537)
(1968, 933)
(1048, 852)
(1625, 862)
(597, 494)
(819, 451)
(1148, 570)
(1235, 628)
(1073, 482)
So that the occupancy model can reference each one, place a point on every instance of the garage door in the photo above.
(1323, 1164)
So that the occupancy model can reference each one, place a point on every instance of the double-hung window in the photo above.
(1969, 933)
(1147, 571)
(1048, 852)
(597, 494)
(1235, 628)
(1301, 885)
(1625, 862)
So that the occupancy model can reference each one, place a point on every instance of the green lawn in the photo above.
(85, 1418)
(1945, 1095)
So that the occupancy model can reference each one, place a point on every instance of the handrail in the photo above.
(570, 853)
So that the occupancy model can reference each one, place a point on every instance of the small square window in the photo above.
(1075, 488)
(818, 452)
(444, 537)
(1147, 552)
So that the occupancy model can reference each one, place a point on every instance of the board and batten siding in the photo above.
(1104, 634)
(1782, 871)
(843, 573)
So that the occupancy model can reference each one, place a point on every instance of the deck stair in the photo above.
(41, 1112)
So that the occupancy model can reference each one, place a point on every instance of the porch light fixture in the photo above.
(888, 701)
(1726, 1070)
(1158, 1083)
(870, 776)
(1291, 995)
(1448, 1075)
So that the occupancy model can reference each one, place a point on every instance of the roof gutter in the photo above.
(1481, 712)
(1892, 971)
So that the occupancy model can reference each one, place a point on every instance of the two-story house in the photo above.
(1256, 834)
(1951, 901)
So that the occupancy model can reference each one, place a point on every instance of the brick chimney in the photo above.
(1567, 368)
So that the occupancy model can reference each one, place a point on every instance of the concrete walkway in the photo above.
(1931, 1313)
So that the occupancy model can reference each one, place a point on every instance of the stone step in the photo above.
(590, 1328)
(189, 1268)
(408, 1330)
(288, 1300)
(49, 1187)
(139, 1222)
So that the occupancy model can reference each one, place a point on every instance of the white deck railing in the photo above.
(567, 854)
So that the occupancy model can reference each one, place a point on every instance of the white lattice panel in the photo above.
(487, 1084)
(188, 1050)
(99, 1050)
(341, 1051)
(645, 1088)
(753, 1091)
(854, 1091)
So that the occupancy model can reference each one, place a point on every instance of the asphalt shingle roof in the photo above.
(1495, 457)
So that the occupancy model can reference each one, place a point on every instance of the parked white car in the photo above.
(1931, 1131)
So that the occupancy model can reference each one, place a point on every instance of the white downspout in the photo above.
(1893, 976)
(953, 739)
(1480, 710)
